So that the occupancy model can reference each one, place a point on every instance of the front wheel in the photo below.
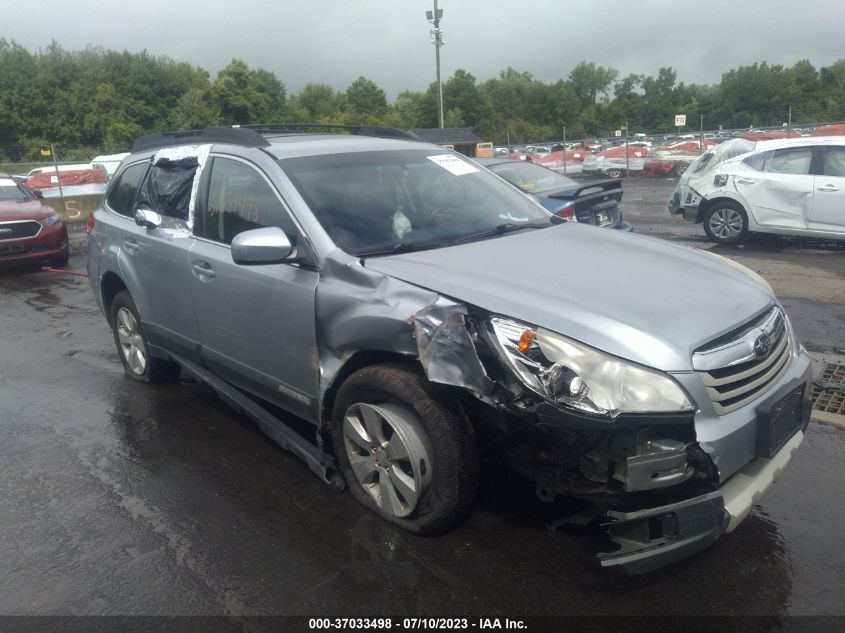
(726, 223)
(406, 451)
(132, 343)
(614, 173)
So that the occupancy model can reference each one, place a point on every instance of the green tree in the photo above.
(319, 102)
(246, 96)
(365, 100)
(591, 81)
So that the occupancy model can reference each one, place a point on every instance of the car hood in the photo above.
(636, 297)
(29, 210)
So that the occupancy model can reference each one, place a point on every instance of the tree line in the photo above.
(95, 100)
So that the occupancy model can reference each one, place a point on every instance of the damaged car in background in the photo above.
(410, 308)
(793, 187)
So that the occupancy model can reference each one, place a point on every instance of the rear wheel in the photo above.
(406, 452)
(132, 343)
(614, 173)
(726, 222)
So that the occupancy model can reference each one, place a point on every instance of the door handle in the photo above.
(827, 188)
(746, 181)
(131, 245)
(203, 270)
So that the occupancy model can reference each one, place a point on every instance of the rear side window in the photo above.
(794, 160)
(757, 161)
(167, 189)
(834, 162)
(240, 199)
(125, 188)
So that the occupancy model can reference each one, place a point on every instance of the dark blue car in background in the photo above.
(596, 202)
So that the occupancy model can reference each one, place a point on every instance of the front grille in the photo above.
(18, 230)
(734, 372)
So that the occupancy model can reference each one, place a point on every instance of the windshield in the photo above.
(9, 190)
(388, 201)
(532, 178)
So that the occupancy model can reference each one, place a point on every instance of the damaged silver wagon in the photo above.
(422, 315)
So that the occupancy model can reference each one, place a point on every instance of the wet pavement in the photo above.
(123, 498)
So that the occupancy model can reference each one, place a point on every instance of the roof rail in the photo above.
(233, 135)
(270, 129)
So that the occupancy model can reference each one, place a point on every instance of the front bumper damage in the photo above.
(652, 538)
(659, 494)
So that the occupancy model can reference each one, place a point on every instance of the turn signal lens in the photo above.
(89, 224)
(526, 340)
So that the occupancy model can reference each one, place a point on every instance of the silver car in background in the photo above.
(418, 316)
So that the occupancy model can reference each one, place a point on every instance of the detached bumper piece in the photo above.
(656, 537)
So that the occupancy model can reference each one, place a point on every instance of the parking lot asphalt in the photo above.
(122, 498)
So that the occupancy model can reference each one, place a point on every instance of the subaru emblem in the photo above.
(762, 345)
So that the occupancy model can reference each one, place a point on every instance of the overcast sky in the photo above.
(336, 41)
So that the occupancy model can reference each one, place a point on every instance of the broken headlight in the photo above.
(566, 372)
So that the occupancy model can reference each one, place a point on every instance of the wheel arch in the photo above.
(110, 285)
(707, 204)
(359, 360)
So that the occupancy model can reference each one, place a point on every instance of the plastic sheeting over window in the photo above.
(167, 189)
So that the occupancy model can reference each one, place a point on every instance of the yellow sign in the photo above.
(45, 151)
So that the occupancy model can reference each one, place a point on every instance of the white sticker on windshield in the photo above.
(453, 164)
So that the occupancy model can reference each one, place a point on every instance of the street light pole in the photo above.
(437, 39)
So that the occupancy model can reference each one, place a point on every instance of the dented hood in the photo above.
(636, 297)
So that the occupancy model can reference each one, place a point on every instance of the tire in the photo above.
(726, 222)
(406, 452)
(614, 173)
(132, 345)
(679, 169)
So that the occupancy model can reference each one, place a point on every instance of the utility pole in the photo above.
(437, 39)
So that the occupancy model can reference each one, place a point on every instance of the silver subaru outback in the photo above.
(424, 316)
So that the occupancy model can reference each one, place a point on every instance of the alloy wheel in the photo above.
(389, 454)
(726, 223)
(131, 341)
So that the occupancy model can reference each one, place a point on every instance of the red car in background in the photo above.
(30, 231)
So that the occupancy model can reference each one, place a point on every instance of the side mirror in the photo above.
(268, 245)
(38, 194)
(148, 218)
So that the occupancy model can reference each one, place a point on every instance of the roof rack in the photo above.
(270, 129)
(253, 135)
(233, 135)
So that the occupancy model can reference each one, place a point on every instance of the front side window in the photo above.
(383, 201)
(834, 161)
(239, 199)
(125, 188)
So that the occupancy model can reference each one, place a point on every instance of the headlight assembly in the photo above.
(566, 372)
(50, 220)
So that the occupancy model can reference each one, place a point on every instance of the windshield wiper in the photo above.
(501, 229)
(403, 247)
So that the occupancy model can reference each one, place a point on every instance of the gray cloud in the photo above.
(335, 41)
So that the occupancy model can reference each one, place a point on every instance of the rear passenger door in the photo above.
(780, 194)
(829, 195)
(154, 261)
(256, 323)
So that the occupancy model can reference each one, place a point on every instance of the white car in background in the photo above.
(790, 186)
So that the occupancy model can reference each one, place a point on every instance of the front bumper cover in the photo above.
(655, 537)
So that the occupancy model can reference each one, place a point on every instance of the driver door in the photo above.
(256, 323)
